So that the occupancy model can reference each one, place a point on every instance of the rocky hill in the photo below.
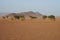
(26, 14)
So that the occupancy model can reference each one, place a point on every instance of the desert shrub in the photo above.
(7, 16)
(19, 17)
(3, 17)
(32, 17)
(16, 17)
(52, 17)
(22, 18)
(44, 17)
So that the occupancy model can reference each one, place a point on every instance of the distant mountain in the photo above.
(26, 14)
(2, 14)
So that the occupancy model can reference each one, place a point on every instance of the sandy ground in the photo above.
(29, 29)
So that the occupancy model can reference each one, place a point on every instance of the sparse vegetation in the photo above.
(16, 17)
(7, 16)
(22, 18)
(44, 17)
(52, 17)
(19, 17)
(3, 17)
(32, 17)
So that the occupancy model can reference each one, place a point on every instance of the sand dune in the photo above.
(29, 29)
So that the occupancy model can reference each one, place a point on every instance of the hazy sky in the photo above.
(43, 6)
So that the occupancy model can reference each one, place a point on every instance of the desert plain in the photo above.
(30, 29)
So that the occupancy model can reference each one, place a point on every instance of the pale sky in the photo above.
(46, 7)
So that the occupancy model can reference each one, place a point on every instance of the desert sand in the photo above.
(36, 29)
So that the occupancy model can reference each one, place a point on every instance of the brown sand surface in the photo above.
(29, 29)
